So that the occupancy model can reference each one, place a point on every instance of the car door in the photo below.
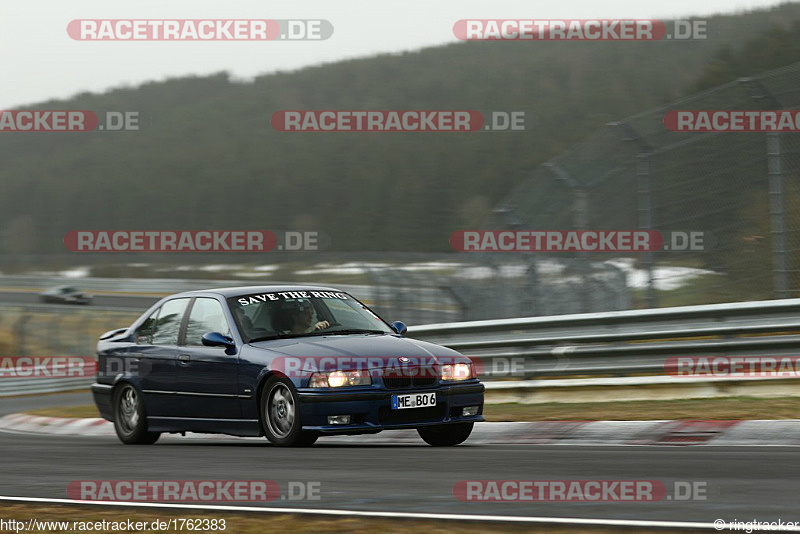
(154, 355)
(208, 380)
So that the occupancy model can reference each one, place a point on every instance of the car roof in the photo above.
(247, 290)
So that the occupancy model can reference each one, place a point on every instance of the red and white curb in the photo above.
(716, 433)
(34, 424)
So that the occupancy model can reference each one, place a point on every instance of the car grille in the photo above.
(418, 377)
(412, 415)
(396, 382)
(424, 381)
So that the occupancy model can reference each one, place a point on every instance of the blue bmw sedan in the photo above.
(291, 363)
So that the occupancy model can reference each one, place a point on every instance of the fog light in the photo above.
(469, 410)
(338, 419)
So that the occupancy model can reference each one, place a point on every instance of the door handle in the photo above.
(184, 357)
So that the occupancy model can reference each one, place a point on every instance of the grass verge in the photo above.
(79, 411)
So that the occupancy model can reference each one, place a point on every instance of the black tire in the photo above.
(280, 415)
(130, 421)
(445, 435)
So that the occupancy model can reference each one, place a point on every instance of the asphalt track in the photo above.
(743, 483)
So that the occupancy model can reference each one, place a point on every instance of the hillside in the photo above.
(208, 157)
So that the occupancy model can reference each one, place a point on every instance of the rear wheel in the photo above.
(445, 435)
(130, 421)
(280, 415)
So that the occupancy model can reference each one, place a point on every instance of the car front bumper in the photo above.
(370, 410)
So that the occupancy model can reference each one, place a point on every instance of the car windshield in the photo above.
(272, 315)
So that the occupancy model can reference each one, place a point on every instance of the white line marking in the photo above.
(363, 513)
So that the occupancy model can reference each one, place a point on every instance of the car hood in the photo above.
(382, 350)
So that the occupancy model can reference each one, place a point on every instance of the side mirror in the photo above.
(215, 339)
(400, 327)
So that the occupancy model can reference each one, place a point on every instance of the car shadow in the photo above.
(213, 443)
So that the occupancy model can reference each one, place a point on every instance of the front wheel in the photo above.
(280, 414)
(130, 422)
(445, 435)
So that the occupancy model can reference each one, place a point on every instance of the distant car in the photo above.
(291, 363)
(64, 295)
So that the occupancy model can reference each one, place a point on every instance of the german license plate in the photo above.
(415, 400)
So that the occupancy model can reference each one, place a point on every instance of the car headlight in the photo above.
(338, 379)
(456, 371)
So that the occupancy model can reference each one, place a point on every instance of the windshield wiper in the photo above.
(277, 336)
(320, 333)
(352, 331)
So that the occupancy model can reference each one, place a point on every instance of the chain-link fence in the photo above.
(723, 202)
(738, 189)
(494, 286)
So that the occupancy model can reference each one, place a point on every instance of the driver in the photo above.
(301, 315)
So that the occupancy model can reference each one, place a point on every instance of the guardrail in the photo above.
(621, 343)
(10, 387)
(597, 344)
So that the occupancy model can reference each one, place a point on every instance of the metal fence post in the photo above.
(580, 209)
(645, 196)
(646, 220)
(760, 93)
(777, 210)
(19, 330)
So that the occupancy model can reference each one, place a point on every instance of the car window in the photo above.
(169, 322)
(206, 316)
(144, 334)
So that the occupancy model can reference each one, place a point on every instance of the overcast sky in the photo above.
(40, 61)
